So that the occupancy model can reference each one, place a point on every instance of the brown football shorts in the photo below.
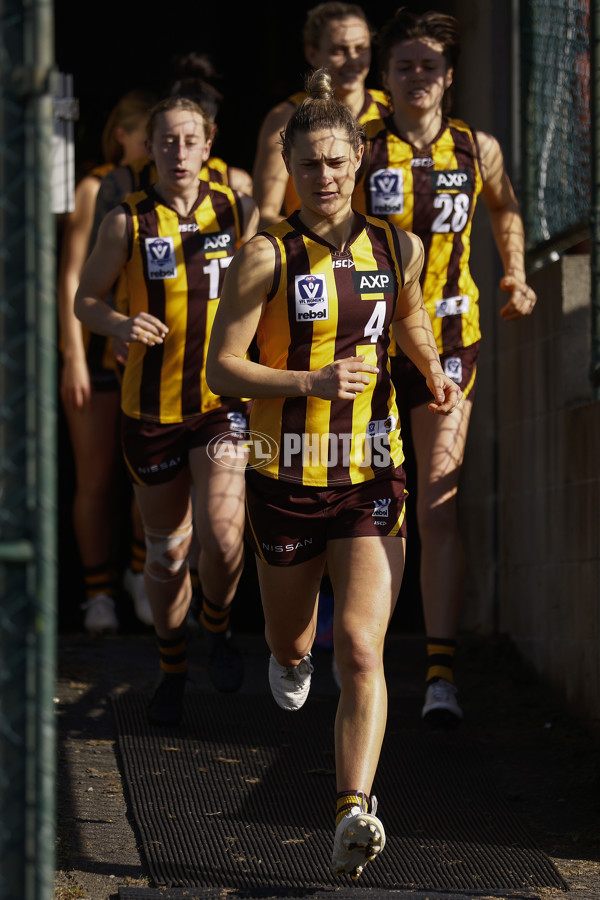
(288, 523)
(411, 388)
(155, 453)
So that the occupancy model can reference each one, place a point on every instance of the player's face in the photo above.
(179, 147)
(323, 165)
(417, 76)
(133, 143)
(345, 50)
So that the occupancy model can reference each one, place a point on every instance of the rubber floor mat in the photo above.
(129, 893)
(352, 893)
(242, 795)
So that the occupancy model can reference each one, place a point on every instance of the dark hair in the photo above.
(320, 109)
(177, 103)
(131, 111)
(410, 26)
(320, 16)
(192, 73)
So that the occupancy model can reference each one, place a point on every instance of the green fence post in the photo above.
(28, 521)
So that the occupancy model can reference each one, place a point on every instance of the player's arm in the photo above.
(114, 187)
(413, 332)
(269, 176)
(507, 228)
(75, 387)
(245, 288)
(228, 370)
(100, 274)
(250, 215)
(239, 180)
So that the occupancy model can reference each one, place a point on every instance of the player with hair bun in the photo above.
(320, 291)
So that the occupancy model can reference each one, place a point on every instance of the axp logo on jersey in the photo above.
(160, 257)
(386, 187)
(451, 180)
(312, 300)
(376, 282)
(221, 240)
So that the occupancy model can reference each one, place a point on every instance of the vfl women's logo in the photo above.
(386, 187)
(160, 258)
(453, 368)
(312, 300)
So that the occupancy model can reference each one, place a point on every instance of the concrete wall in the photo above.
(530, 487)
(549, 487)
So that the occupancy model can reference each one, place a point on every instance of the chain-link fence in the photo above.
(555, 127)
(27, 454)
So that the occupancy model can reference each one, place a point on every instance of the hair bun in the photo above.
(318, 85)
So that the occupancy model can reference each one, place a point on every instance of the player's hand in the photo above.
(75, 384)
(143, 329)
(522, 298)
(342, 379)
(120, 351)
(447, 394)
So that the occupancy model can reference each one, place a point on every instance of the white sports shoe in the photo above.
(441, 706)
(133, 582)
(290, 684)
(359, 837)
(100, 616)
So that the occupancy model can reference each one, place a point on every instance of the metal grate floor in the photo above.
(241, 797)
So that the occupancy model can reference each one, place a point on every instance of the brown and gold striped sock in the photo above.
(173, 655)
(347, 800)
(440, 659)
(100, 580)
(138, 556)
(214, 619)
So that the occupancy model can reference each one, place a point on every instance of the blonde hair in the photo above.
(320, 109)
(131, 111)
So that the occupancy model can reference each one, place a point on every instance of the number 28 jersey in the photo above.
(432, 193)
(327, 305)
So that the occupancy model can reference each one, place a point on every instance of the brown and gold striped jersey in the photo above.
(376, 106)
(175, 272)
(432, 193)
(327, 305)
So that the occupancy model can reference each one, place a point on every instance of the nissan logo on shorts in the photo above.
(231, 447)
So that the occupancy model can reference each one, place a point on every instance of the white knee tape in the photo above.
(158, 544)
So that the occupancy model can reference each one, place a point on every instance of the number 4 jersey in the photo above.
(432, 193)
(175, 272)
(327, 305)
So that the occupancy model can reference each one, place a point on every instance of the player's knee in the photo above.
(222, 545)
(167, 552)
(358, 654)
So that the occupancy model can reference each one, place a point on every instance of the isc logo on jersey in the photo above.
(160, 257)
(386, 187)
(312, 300)
(451, 180)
